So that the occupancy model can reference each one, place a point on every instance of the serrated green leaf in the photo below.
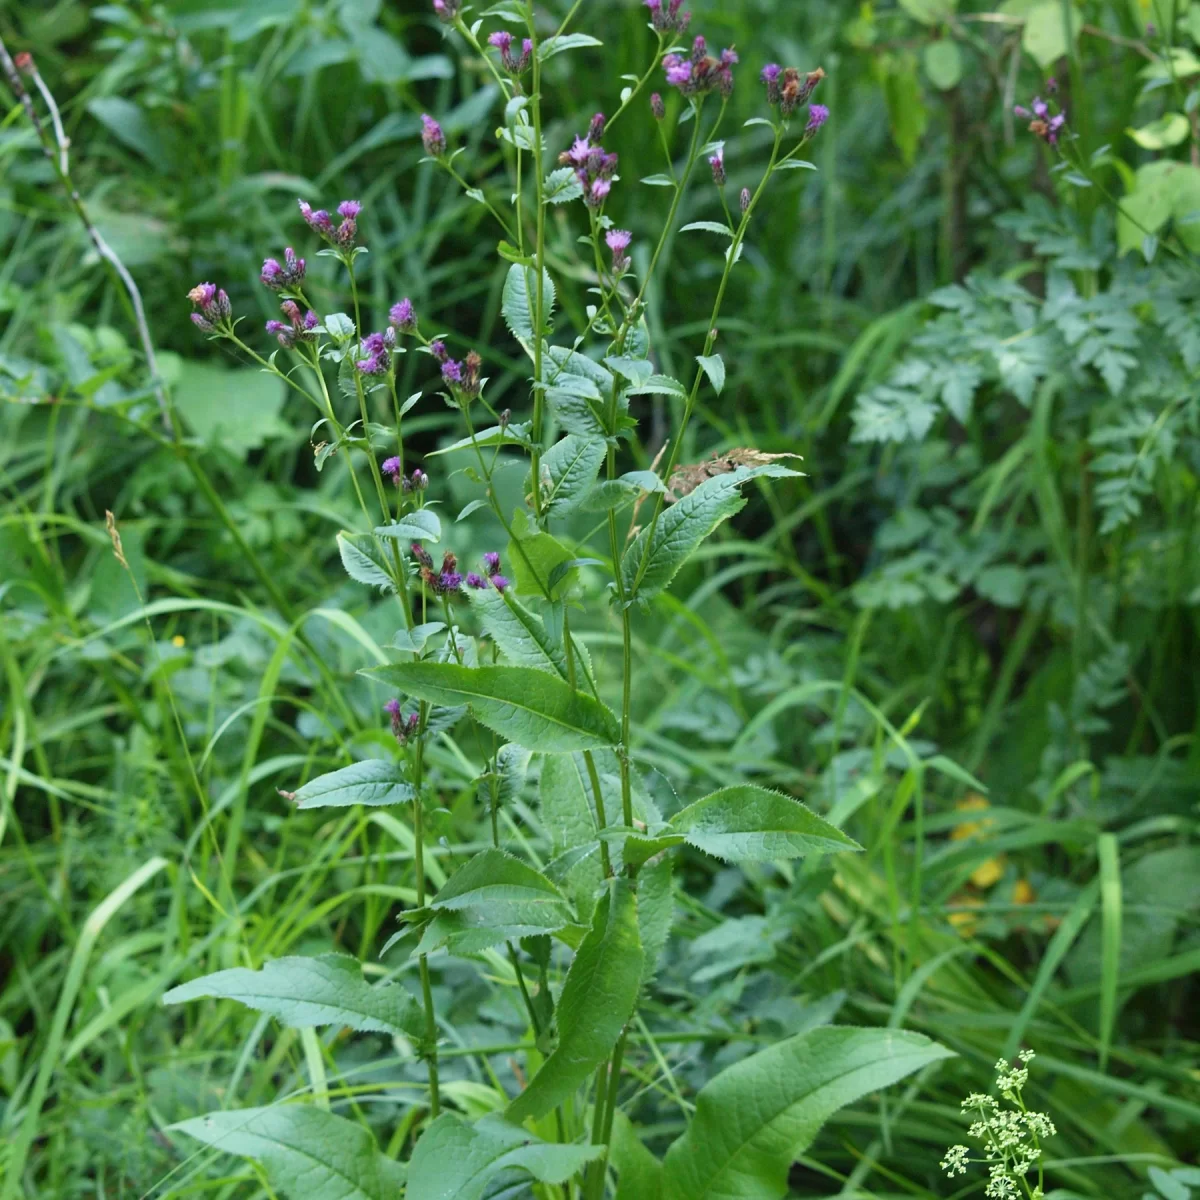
(683, 526)
(597, 999)
(300, 992)
(713, 366)
(413, 640)
(562, 185)
(375, 781)
(307, 1152)
(566, 41)
(494, 898)
(659, 385)
(420, 525)
(520, 634)
(656, 912)
(747, 823)
(755, 1118)
(636, 370)
(568, 469)
(364, 561)
(455, 1161)
(532, 708)
(519, 301)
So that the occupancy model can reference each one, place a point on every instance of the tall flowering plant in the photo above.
(491, 642)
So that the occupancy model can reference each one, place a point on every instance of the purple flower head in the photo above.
(280, 277)
(657, 107)
(203, 295)
(668, 20)
(1052, 85)
(307, 329)
(596, 195)
(201, 322)
(770, 76)
(503, 41)
(818, 114)
(618, 242)
(402, 316)
(577, 156)
(446, 10)
(744, 200)
(373, 343)
(717, 162)
(285, 335)
(499, 582)
(679, 72)
(373, 364)
(596, 128)
(1040, 107)
(452, 372)
(1021, 111)
(349, 209)
(476, 581)
(391, 468)
(421, 554)
(291, 310)
(438, 349)
(491, 563)
(699, 49)
(392, 708)
(213, 304)
(448, 582)
(433, 137)
(319, 221)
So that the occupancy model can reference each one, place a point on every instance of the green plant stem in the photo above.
(430, 1048)
(539, 267)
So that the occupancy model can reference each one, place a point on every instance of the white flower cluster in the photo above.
(1011, 1138)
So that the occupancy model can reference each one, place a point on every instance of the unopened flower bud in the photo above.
(421, 555)
(433, 137)
(491, 563)
(717, 162)
(446, 10)
(475, 581)
(596, 128)
(657, 107)
(744, 200)
(438, 349)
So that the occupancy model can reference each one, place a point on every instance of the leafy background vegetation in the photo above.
(968, 635)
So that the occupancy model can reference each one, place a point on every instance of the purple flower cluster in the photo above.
(403, 727)
(341, 234)
(213, 305)
(433, 137)
(300, 327)
(669, 19)
(282, 277)
(789, 87)
(491, 573)
(618, 241)
(594, 167)
(418, 481)
(375, 349)
(446, 10)
(446, 581)
(701, 73)
(1045, 124)
(403, 317)
(462, 377)
(503, 41)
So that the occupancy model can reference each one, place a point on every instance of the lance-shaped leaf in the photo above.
(754, 1118)
(494, 898)
(307, 1152)
(520, 634)
(422, 525)
(532, 708)
(364, 561)
(567, 471)
(455, 1160)
(746, 823)
(375, 781)
(666, 544)
(300, 992)
(597, 999)
(519, 300)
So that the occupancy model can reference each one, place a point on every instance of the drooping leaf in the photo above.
(520, 634)
(713, 366)
(307, 1152)
(659, 385)
(682, 526)
(455, 1160)
(568, 469)
(746, 823)
(756, 1117)
(519, 301)
(299, 992)
(566, 41)
(597, 999)
(494, 898)
(364, 561)
(532, 708)
(421, 525)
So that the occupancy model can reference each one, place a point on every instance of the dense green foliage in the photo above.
(965, 638)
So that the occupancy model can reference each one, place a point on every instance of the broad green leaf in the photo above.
(455, 1161)
(1050, 28)
(307, 1152)
(413, 640)
(943, 64)
(364, 561)
(567, 471)
(299, 992)
(421, 525)
(565, 41)
(639, 1173)
(374, 781)
(636, 370)
(532, 708)
(562, 185)
(597, 999)
(1149, 206)
(659, 385)
(568, 815)
(682, 526)
(520, 634)
(755, 1118)
(746, 823)
(713, 366)
(907, 113)
(656, 912)
(532, 556)
(238, 409)
(494, 898)
(519, 301)
(1169, 130)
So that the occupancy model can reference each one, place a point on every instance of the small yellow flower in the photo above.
(1023, 892)
(179, 641)
(971, 802)
(988, 873)
(964, 921)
